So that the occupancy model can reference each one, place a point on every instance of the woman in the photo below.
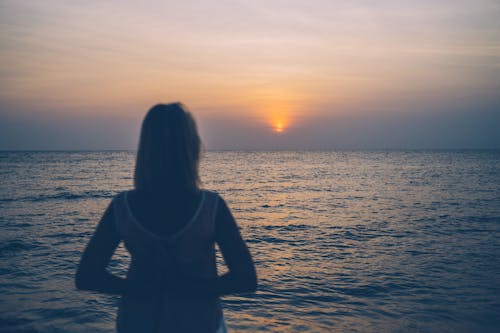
(170, 227)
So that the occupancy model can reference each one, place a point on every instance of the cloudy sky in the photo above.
(274, 74)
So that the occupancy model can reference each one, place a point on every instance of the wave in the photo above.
(17, 245)
(63, 196)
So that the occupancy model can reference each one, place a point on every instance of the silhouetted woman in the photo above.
(170, 227)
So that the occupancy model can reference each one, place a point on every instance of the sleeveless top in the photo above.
(190, 251)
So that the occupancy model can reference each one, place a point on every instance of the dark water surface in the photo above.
(343, 241)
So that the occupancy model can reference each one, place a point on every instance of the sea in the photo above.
(343, 241)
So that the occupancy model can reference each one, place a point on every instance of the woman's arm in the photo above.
(241, 277)
(91, 273)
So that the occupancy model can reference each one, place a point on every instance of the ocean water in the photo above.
(343, 241)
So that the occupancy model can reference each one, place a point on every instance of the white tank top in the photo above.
(190, 251)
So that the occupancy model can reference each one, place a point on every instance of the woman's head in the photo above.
(169, 151)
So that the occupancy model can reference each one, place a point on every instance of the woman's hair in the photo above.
(169, 151)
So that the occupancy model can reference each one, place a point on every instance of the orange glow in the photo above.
(278, 108)
(279, 123)
(279, 127)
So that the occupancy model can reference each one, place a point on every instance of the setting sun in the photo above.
(279, 127)
(279, 124)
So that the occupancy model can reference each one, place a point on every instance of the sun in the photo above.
(279, 124)
(278, 117)
(279, 127)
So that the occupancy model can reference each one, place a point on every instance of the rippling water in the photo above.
(343, 241)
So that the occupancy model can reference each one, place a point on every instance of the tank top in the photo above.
(190, 251)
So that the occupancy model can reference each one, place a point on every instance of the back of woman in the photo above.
(170, 228)
(189, 250)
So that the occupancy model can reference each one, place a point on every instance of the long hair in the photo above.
(169, 151)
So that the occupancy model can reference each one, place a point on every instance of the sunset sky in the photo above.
(256, 74)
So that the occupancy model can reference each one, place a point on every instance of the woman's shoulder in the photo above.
(119, 196)
(214, 195)
(120, 201)
(220, 205)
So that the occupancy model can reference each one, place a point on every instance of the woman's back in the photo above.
(172, 283)
(188, 251)
(163, 213)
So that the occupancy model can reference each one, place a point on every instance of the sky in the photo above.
(273, 74)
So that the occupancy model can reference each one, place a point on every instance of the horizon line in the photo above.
(251, 150)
